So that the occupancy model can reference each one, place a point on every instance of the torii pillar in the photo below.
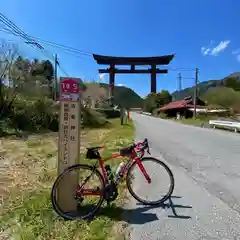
(111, 82)
(153, 79)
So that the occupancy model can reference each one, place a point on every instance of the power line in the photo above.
(74, 53)
(181, 69)
(62, 69)
(174, 69)
(188, 78)
(15, 30)
(84, 53)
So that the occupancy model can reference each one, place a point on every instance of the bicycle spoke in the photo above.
(88, 194)
(153, 192)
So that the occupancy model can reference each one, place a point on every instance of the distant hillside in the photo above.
(203, 87)
(126, 97)
(234, 75)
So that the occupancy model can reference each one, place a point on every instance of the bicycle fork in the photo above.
(143, 170)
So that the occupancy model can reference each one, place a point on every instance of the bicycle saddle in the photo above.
(94, 148)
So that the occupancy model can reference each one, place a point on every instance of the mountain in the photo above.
(234, 75)
(126, 97)
(204, 86)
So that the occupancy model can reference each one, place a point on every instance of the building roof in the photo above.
(185, 103)
(174, 105)
(160, 60)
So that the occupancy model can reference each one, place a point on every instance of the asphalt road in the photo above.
(206, 200)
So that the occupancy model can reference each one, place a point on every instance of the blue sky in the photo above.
(203, 34)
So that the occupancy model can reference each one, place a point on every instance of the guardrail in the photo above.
(234, 125)
(146, 113)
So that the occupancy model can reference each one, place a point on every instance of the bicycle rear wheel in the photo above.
(142, 187)
(76, 210)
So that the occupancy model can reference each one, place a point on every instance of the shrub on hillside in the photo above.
(222, 96)
(92, 118)
(109, 112)
(34, 116)
(42, 115)
(163, 115)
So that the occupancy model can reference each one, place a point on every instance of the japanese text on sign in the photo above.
(65, 144)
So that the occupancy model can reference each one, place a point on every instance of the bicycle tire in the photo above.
(171, 188)
(55, 205)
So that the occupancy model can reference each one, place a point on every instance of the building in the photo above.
(183, 107)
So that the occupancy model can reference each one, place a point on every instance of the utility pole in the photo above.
(55, 77)
(179, 81)
(195, 94)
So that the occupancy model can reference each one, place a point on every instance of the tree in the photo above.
(156, 100)
(163, 98)
(233, 83)
(8, 55)
(94, 95)
(43, 72)
(222, 96)
(150, 102)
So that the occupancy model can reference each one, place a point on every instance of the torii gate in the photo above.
(133, 62)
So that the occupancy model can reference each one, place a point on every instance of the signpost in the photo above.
(69, 137)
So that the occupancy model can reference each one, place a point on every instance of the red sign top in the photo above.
(69, 85)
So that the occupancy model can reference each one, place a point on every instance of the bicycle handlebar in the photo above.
(143, 145)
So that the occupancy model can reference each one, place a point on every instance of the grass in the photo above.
(26, 208)
(195, 122)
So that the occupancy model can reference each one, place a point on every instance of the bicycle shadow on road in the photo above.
(141, 215)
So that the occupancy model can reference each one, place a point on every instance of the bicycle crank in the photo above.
(110, 192)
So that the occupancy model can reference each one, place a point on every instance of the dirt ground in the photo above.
(27, 164)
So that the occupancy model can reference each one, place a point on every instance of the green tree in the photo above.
(156, 100)
(150, 102)
(163, 98)
(233, 83)
(43, 72)
(222, 96)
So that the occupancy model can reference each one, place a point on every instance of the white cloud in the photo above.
(214, 51)
(120, 85)
(220, 47)
(205, 50)
(102, 76)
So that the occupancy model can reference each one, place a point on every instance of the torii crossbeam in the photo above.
(153, 62)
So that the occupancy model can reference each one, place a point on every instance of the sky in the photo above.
(203, 34)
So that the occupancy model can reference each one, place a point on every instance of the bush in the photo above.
(34, 116)
(163, 115)
(222, 96)
(43, 115)
(92, 118)
(109, 112)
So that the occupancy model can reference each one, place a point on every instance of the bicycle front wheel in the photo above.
(158, 190)
(78, 192)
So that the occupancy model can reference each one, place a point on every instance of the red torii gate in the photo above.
(133, 62)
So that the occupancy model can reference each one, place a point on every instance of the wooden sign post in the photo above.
(69, 138)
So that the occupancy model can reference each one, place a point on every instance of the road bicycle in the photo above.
(109, 182)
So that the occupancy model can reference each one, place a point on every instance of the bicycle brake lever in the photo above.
(148, 151)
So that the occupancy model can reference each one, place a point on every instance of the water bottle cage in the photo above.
(109, 173)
